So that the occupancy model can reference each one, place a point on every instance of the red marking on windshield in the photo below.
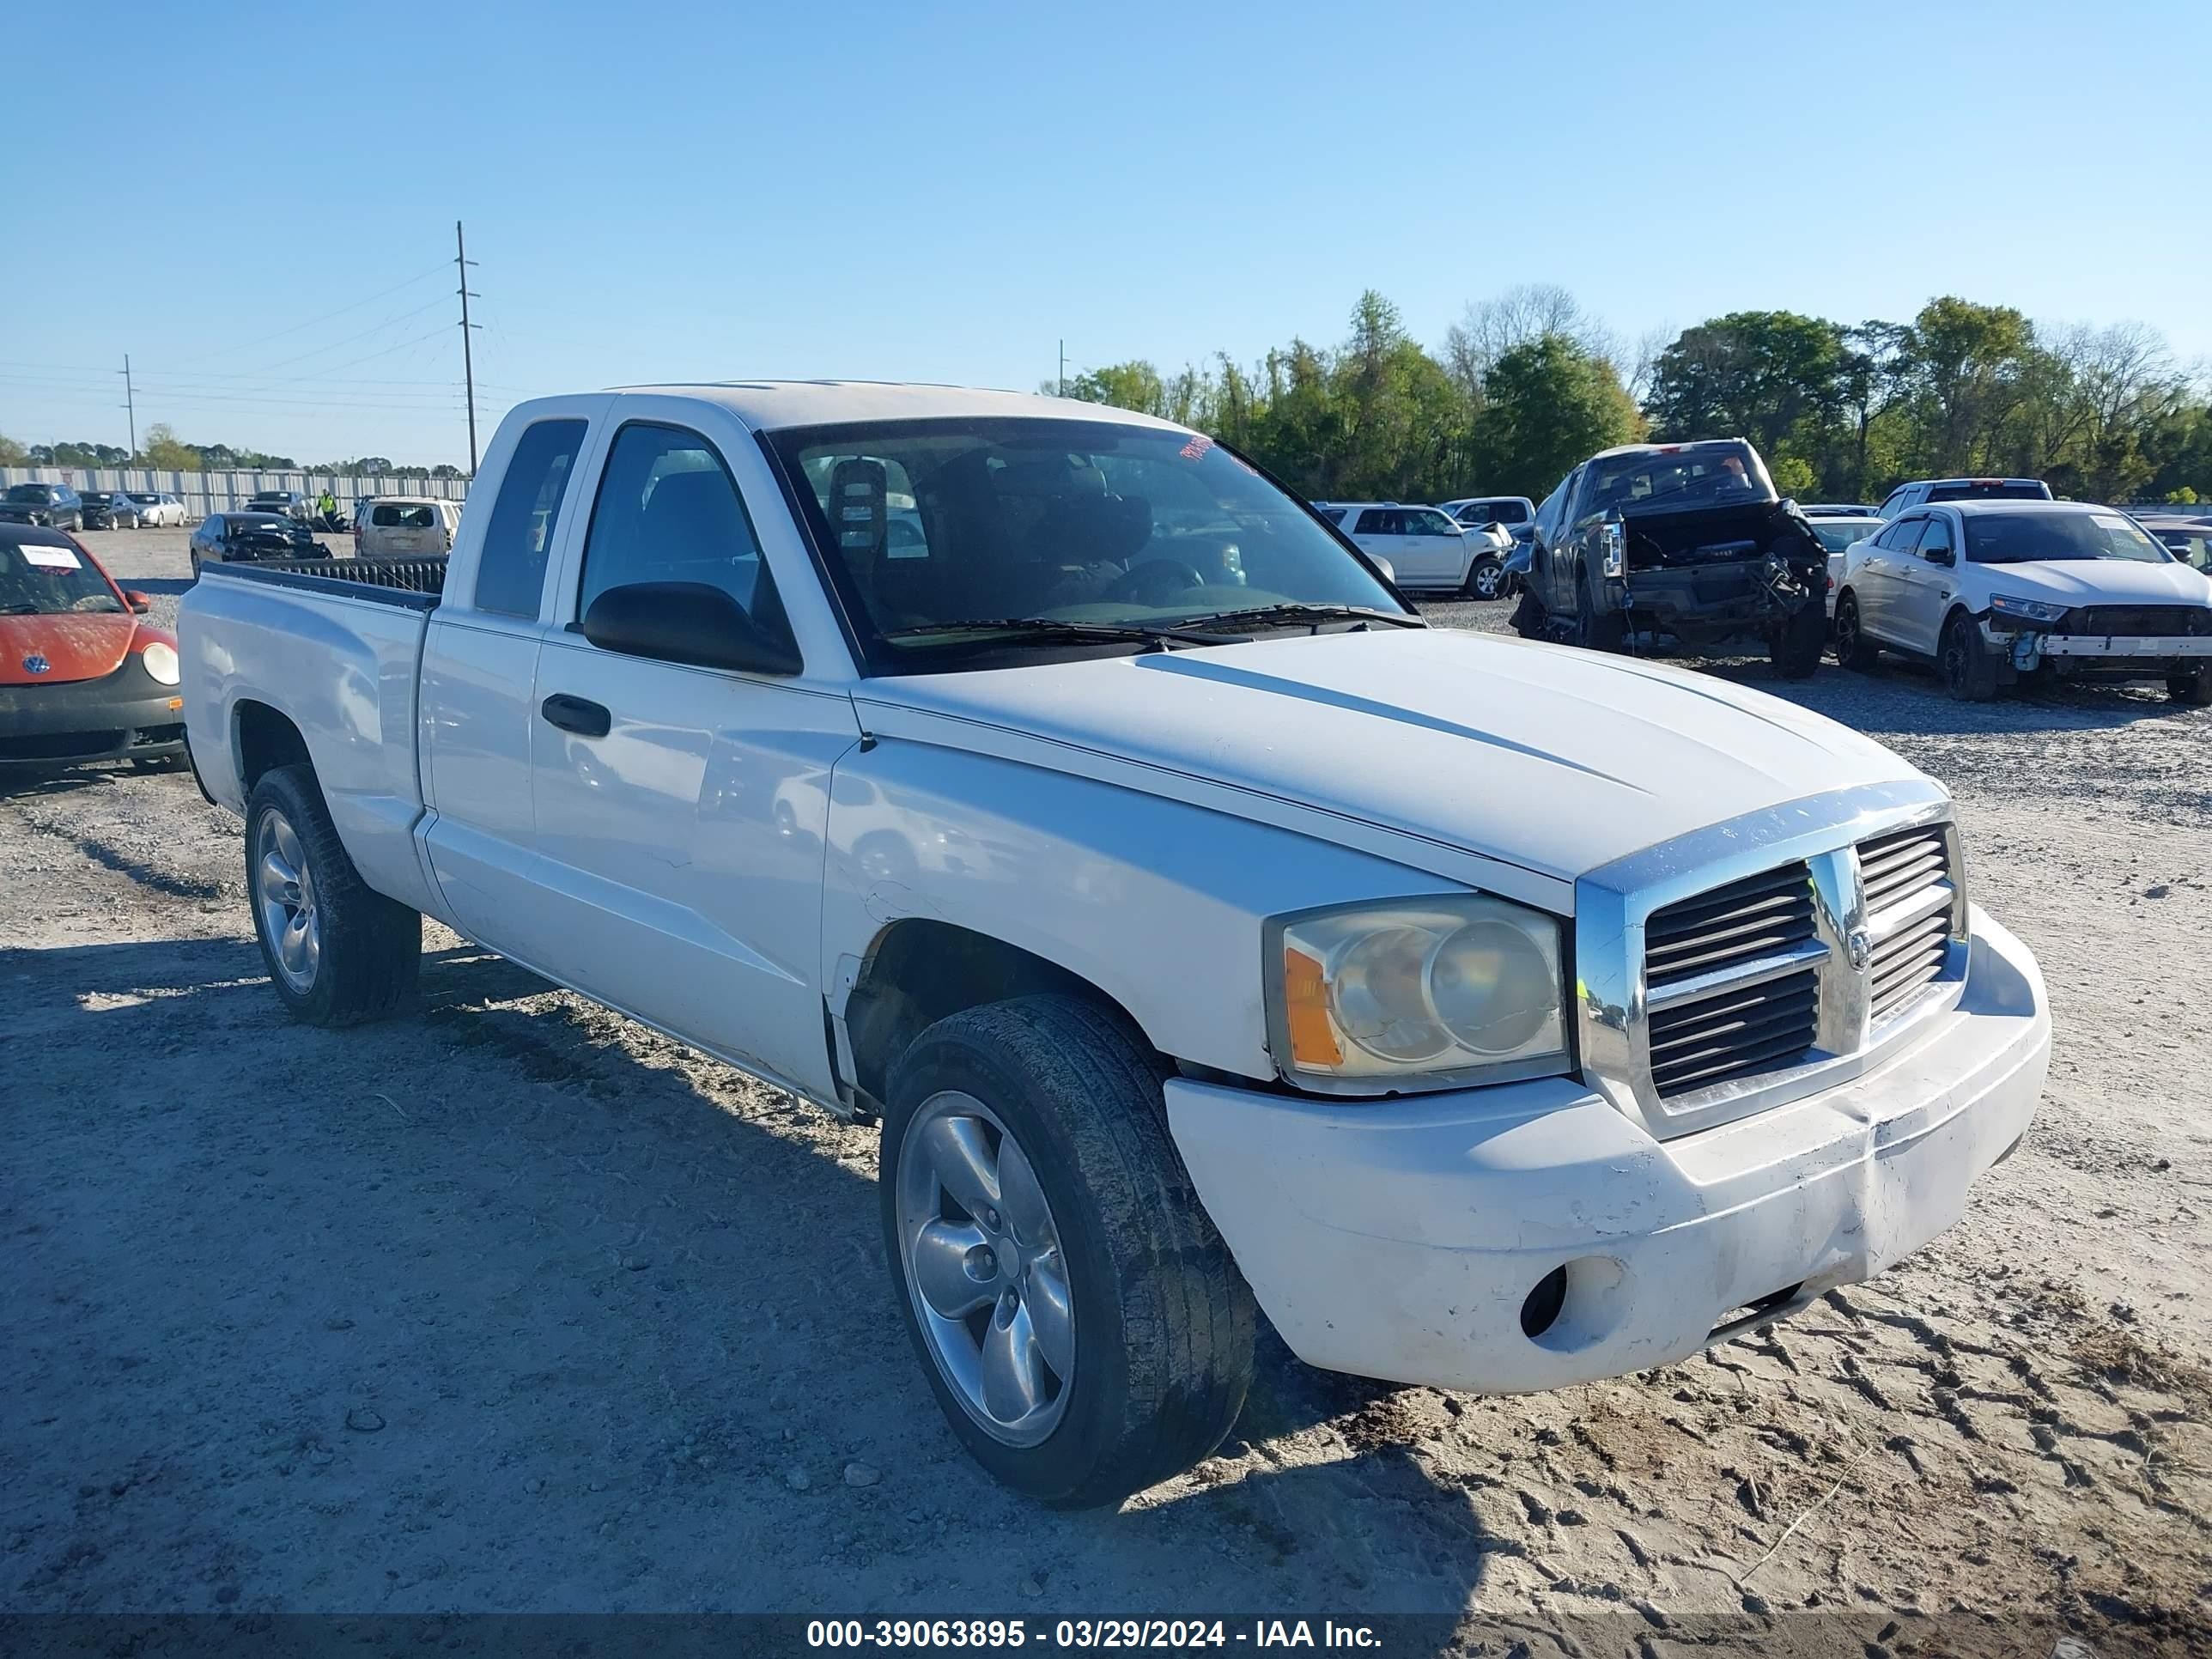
(1197, 447)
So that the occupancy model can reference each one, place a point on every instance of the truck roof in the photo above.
(770, 405)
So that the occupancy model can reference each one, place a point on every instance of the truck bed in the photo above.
(413, 582)
(323, 655)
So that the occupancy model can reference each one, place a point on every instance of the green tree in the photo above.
(1549, 405)
(164, 452)
(1757, 374)
(11, 453)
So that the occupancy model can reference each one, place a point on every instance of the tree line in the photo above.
(164, 452)
(1527, 383)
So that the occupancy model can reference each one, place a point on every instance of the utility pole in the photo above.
(1063, 368)
(468, 361)
(130, 403)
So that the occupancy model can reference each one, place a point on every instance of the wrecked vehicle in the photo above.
(1206, 936)
(1682, 544)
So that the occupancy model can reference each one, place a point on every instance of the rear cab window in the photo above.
(511, 568)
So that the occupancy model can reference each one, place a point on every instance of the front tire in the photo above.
(1485, 581)
(1081, 1322)
(1970, 673)
(2195, 690)
(338, 952)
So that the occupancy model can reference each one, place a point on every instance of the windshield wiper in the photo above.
(1053, 628)
(1316, 614)
(19, 610)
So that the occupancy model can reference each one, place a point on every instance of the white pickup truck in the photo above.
(1209, 935)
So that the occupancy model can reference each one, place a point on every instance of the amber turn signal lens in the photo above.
(1305, 1000)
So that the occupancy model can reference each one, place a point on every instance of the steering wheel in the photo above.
(1154, 580)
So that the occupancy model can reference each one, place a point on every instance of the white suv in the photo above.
(1926, 492)
(1428, 549)
(1997, 592)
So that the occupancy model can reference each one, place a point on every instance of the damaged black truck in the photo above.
(1683, 545)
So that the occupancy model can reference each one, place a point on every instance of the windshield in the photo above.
(2028, 537)
(1837, 534)
(935, 524)
(147, 501)
(95, 498)
(43, 580)
(29, 493)
(1494, 512)
(1684, 478)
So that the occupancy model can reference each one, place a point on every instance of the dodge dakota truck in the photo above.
(1208, 935)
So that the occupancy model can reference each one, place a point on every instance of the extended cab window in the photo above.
(511, 571)
(668, 512)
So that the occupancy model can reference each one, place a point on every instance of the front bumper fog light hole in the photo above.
(1540, 1311)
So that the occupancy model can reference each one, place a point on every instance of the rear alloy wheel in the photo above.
(1486, 580)
(1970, 673)
(1081, 1322)
(2195, 690)
(338, 951)
(1854, 650)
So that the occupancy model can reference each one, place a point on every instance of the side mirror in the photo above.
(138, 601)
(1389, 571)
(688, 623)
(1940, 556)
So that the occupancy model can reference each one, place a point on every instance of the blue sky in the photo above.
(255, 208)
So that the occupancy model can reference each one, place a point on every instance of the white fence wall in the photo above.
(203, 493)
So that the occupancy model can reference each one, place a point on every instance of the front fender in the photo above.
(1157, 903)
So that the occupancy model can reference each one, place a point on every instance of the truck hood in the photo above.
(2100, 581)
(74, 645)
(1542, 756)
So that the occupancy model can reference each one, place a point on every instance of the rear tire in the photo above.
(341, 953)
(1796, 648)
(1596, 631)
(2195, 690)
(1854, 650)
(1970, 672)
(1159, 1355)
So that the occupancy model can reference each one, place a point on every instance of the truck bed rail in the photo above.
(414, 583)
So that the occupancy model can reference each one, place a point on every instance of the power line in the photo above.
(356, 306)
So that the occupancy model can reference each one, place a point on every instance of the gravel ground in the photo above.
(518, 1305)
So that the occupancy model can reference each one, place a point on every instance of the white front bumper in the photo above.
(1399, 1239)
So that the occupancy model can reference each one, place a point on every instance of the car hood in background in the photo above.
(2098, 581)
(74, 645)
(1551, 759)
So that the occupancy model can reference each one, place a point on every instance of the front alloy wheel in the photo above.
(983, 1262)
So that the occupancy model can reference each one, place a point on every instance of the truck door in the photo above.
(681, 811)
(479, 660)
(1440, 551)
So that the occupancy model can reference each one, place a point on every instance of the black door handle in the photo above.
(581, 715)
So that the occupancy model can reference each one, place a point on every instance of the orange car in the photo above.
(82, 679)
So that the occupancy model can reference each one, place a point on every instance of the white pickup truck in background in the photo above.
(1208, 934)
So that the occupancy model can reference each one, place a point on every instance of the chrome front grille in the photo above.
(1731, 987)
(1822, 934)
(1910, 904)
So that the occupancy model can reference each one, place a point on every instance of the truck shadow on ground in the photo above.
(513, 1303)
(1907, 699)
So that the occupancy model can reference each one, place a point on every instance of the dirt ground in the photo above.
(515, 1304)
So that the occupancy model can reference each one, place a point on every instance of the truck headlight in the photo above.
(1423, 993)
(161, 661)
(2007, 608)
(1612, 542)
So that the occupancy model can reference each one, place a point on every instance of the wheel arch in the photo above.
(920, 970)
(263, 737)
